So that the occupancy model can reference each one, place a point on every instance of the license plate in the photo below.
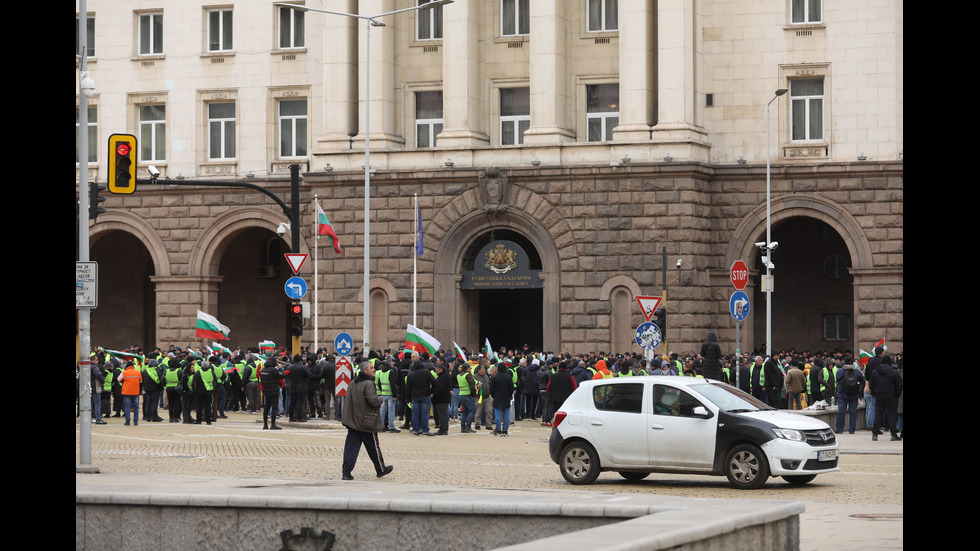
(827, 455)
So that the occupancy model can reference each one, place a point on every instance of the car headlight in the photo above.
(789, 434)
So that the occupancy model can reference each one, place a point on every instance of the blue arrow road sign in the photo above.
(343, 344)
(648, 335)
(295, 288)
(738, 305)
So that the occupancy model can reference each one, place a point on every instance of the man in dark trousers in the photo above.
(363, 422)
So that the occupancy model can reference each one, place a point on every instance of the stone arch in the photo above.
(742, 244)
(463, 219)
(130, 223)
(620, 291)
(210, 245)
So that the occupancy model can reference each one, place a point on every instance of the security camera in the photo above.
(281, 230)
(154, 172)
(760, 244)
(679, 262)
(773, 245)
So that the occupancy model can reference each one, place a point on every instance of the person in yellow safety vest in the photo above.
(171, 378)
(384, 380)
(153, 387)
(467, 398)
(202, 385)
(602, 372)
(757, 379)
(250, 380)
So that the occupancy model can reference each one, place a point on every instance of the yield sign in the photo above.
(295, 261)
(649, 305)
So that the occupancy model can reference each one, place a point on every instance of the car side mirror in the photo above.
(702, 412)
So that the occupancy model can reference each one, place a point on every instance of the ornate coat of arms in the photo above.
(501, 260)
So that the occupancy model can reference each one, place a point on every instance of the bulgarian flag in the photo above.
(325, 228)
(220, 348)
(208, 327)
(267, 346)
(488, 350)
(123, 355)
(418, 340)
(459, 351)
(863, 358)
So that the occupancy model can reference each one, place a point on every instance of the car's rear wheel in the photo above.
(746, 467)
(799, 479)
(579, 463)
(634, 476)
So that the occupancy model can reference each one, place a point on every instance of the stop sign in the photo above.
(740, 274)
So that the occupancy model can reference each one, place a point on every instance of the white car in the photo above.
(664, 424)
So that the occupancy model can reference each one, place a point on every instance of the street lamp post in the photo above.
(769, 246)
(372, 21)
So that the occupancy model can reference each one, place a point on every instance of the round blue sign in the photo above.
(648, 335)
(343, 344)
(295, 288)
(738, 305)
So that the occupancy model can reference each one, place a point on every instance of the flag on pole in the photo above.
(882, 344)
(123, 355)
(324, 227)
(267, 347)
(488, 350)
(418, 340)
(418, 231)
(208, 327)
(459, 351)
(863, 358)
(220, 348)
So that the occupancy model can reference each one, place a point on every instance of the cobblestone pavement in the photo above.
(864, 499)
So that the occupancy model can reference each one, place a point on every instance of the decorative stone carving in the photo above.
(494, 186)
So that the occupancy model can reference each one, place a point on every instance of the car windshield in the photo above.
(730, 399)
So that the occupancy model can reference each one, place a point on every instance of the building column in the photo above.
(340, 88)
(549, 85)
(382, 68)
(676, 69)
(637, 70)
(178, 299)
(462, 97)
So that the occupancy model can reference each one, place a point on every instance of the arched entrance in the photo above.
(518, 317)
(509, 318)
(127, 305)
(815, 296)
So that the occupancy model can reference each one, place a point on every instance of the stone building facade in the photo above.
(677, 169)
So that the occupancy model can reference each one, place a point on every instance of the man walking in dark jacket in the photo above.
(363, 422)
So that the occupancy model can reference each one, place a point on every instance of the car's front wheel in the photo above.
(799, 479)
(579, 463)
(746, 467)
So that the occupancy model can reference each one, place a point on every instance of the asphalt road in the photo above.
(858, 507)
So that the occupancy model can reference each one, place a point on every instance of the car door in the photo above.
(617, 424)
(678, 436)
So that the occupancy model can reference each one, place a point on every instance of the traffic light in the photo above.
(660, 319)
(95, 200)
(122, 163)
(296, 319)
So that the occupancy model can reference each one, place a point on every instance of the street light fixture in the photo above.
(372, 21)
(769, 245)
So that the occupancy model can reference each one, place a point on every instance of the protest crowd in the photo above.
(481, 391)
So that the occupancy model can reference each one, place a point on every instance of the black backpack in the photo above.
(849, 382)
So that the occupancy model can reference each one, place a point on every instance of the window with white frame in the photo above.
(221, 30)
(603, 15)
(515, 115)
(93, 116)
(429, 22)
(89, 39)
(806, 97)
(428, 118)
(292, 128)
(515, 17)
(151, 33)
(602, 111)
(292, 28)
(221, 131)
(836, 327)
(153, 132)
(806, 11)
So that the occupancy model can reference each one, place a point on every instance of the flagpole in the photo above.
(316, 276)
(415, 262)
